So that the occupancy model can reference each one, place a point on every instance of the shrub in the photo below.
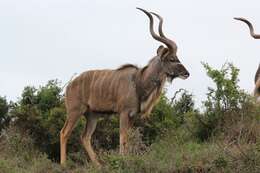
(225, 102)
(224, 137)
(166, 116)
(19, 154)
(4, 116)
(227, 95)
(41, 113)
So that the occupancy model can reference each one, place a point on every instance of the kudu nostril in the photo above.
(186, 75)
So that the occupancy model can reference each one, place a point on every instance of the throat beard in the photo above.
(170, 78)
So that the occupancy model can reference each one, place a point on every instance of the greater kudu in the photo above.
(257, 75)
(127, 91)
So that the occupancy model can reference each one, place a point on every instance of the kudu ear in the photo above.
(162, 52)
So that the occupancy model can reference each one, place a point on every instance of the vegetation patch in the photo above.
(177, 138)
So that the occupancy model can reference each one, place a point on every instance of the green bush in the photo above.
(227, 94)
(41, 113)
(223, 137)
(18, 154)
(166, 116)
(223, 101)
(4, 116)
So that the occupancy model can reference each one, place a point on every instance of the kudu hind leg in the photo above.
(86, 137)
(66, 132)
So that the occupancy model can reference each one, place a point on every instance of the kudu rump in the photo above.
(257, 75)
(127, 91)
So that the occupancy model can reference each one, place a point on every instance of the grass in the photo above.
(235, 148)
(170, 154)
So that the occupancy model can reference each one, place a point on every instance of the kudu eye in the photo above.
(175, 60)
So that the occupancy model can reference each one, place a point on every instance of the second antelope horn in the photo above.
(251, 28)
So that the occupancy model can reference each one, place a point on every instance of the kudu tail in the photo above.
(67, 83)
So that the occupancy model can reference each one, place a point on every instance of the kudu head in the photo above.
(171, 65)
(251, 28)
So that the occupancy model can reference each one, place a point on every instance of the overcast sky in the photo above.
(43, 40)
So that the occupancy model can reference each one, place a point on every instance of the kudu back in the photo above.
(127, 91)
(257, 75)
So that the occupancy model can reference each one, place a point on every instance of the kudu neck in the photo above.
(153, 71)
(152, 77)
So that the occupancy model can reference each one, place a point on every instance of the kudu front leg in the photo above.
(125, 125)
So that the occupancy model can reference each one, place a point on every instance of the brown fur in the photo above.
(257, 88)
(257, 83)
(257, 74)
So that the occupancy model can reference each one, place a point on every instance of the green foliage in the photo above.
(41, 113)
(166, 116)
(227, 95)
(223, 101)
(8, 166)
(4, 116)
(19, 154)
(106, 135)
(223, 137)
(183, 106)
(220, 162)
(160, 120)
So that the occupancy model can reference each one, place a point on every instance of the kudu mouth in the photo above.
(185, 76)
(181, 76)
